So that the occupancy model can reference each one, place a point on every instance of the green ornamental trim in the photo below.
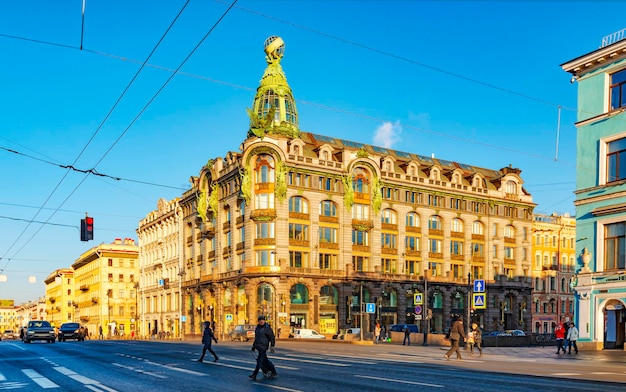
(246, 184)
(377, 195)
(259, 126)
(348, 194)
(281, 181)
(213, 202)
(362, 153)
(202, 200)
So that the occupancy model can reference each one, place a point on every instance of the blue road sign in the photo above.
(479, 285)
(370, 308)
(478, 301)
(418, 309)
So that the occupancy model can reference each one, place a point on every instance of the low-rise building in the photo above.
(60, 302)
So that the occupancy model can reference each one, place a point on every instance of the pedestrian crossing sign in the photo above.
(478, 301)
(417, 299)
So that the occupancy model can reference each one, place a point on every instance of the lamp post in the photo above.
(361, 311)
(469, 301)
(425, 311)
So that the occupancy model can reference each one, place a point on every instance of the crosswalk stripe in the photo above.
(42, 381)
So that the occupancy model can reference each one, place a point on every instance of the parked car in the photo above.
(243, 332)
(39, 330)
(8, 334)
(350, 331)
(512, 332)
(304, 333)
(400, 328)
(71, 331)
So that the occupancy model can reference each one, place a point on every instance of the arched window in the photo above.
(434, 223)
(457, 225)
(412, 219)
(434, 174)
(361, 180)
(478, 228)
(328, 208)
(329, 295)
(390, 298)
(296, 150)
(387, 166)
(298, 204)
(264, 169)
(325, 155)
(511, 187)
(299, 294)
(389, 216)
(265, 294)
(411, 171)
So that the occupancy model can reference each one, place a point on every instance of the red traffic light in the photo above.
(86, 229)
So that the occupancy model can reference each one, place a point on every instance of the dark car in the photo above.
(39, 330)
(243, 332)
(400, 328)
(71, 331)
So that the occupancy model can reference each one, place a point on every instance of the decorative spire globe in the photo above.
(274, 49)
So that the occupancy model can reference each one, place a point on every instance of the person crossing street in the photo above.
(263, 340)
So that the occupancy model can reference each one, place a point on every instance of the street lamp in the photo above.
(425, 311)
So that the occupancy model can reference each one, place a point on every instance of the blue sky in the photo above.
(474, 82)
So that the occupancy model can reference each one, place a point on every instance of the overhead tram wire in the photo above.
(132, 122)
(90, 171)
(84, 148)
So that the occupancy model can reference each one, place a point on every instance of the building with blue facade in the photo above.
(600, 282)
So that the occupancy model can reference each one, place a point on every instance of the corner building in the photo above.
(600, 282)
(303, 228)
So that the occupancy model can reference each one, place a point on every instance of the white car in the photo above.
(307, 334)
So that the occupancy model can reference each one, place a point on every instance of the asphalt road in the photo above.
(302, 366)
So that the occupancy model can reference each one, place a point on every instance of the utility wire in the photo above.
(84, 148)
(88, 171)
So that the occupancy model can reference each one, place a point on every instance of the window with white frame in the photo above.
(617, 90)
(614, 246)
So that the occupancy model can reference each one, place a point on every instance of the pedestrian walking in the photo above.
(263, 340)
(572, 337)
(455, 335)
(377, 333)
(565, 340)
(207, 339)
(407, 335)
(100, 334)
(559, 333)
(478, 339)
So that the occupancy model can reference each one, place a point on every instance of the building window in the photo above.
(264, 169)
(328, 234)
(616, 169)
(434, 245)
(389, 216)
(121, 278)
(614, 246)
(477, 250)
(360, 263)
(264, 200)
(412, 243)
(388, 241)
(328, 208)
(617, 90)
(388, 266)
(456, 248)
(360, 238)
(412, 219)
(298, 259)
(298, 204)
(361, 181)
(110, 277)
(511, 187)
(299, 231)
(509, 252)
(328, 261)
(265, 257)
(327, 184)
(434, 223)
(509, 232)
(265, 230)
(457, 225)
(478, 228)
(110, 263)
(360, 211)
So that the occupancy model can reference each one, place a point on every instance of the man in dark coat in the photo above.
(207, 338)
(263, 340)
(456, 333)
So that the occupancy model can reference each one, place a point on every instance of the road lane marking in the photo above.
(12, 385)
(251, 364)
(2, 378)
(39, 379)
(133, 369)
(400, 381)
(311, 361)
(82, 379)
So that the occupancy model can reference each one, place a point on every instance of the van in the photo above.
(304, 333)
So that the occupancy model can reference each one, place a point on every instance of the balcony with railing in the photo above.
(263, 215)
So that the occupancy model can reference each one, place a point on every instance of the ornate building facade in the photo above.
(554, 252)
(106, 294)
(160, 262)
(306, 229)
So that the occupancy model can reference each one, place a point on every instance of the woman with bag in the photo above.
(478, 339)
(456, 332)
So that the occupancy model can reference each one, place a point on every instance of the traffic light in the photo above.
(86, 229)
